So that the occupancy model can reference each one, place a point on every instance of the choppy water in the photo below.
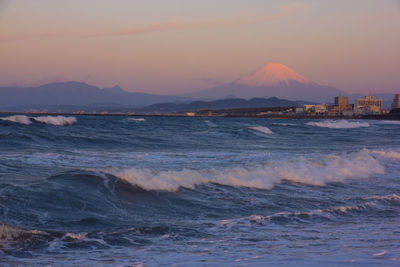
(198, 191)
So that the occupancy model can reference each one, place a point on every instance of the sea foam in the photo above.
(342, 124)
(56, 120)
(310, 171)
(137, 119)
(391, 154)
(262, 129)
(18, 119)
(328, 213)
(52, 120)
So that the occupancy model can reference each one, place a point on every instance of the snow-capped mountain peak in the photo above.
(274, 74)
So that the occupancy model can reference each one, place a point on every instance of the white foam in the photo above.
(10, 233)
(262, 129)
(261, 220)
(342, 124)
(392, 197)
(52, 120)
(380, 254)
(137, 119)
(19, 119)
(387, 154)
(312, 171)
(56, 120)
(76, 236)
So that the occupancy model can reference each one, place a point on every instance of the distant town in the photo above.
(367, 107)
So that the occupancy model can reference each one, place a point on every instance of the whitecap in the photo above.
(262, 129)
(311, 171)
(55, 120)
(136, 119)
(391, 154)
(326, 213)
(342, 124)
(18, 119)
(392, 197)
(52, 120)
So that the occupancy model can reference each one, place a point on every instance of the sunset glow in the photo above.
(182, 46)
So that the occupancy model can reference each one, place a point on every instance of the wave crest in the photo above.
(343, 124)
(10, 233)
(262, 129)
(136, 119)
(18, 119)
(312, 171)
(52, 120)
(387, 154)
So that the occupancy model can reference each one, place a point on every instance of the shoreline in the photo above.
(234, 115)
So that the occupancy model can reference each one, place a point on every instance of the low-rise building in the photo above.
(316, 109)
(321, 109)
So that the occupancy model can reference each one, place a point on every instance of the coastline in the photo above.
(223, 115)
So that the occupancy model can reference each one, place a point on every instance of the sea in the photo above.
(197, 191)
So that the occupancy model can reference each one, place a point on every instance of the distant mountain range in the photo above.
(272, 80)
(272, 85)
(77, 94)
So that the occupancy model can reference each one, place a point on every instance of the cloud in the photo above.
(285, 11)
(173, 25)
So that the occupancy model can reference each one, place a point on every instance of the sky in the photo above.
(182, 46)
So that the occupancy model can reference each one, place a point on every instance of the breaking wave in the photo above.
(327, 213)
(10, 233)
(342, 124)
(18, 119)
(392, 197)
(387, 154)
(262, 129)
(52, 120)
(311, 171)
(137, 119)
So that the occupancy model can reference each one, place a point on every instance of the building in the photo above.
(316, 109)
(368, 105)
(321, 109)
(341, 106)
(341, 101)
(396, 102)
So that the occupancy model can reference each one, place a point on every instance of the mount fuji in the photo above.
(273, 80)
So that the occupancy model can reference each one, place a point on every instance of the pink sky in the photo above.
(178, 46)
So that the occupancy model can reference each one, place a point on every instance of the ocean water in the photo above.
(152, 191)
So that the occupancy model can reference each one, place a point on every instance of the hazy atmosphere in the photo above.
(182, 46)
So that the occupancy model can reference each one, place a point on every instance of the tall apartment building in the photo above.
(368, 104)
(396, 102)
(341, 104)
